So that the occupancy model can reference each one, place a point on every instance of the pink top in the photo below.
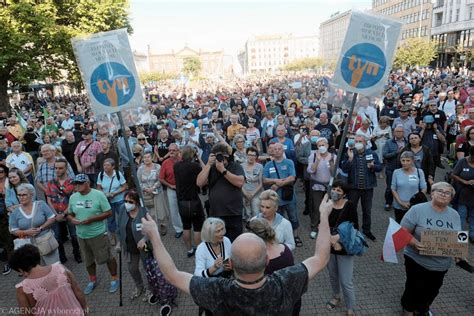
(53, 293)
(88, 155)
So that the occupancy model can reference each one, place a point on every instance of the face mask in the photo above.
(359, 146)
(314, 139)
(323, 149)
(350, 142)
(129, 206)
(335, 196)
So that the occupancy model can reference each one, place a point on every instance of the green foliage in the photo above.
(304, 64)
(192, 66)
(415, 52)
(156, 76)
(35, 36)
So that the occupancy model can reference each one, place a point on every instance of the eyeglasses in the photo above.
(2, 171)
(443, 193)
(130, 201)
(22, 194)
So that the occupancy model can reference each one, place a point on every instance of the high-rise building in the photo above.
(453, 31)
(332, 33)
(415, 14)
(271, 52)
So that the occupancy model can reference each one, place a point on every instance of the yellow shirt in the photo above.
(233, 130)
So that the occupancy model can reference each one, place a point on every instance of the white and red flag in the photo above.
(396, 239)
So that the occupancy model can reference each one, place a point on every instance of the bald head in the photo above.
(249, 254)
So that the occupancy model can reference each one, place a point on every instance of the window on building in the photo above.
(471, 12)
(457, 15)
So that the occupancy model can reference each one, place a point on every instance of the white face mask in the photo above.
(359, 146)
(129, 206)
(323, 149)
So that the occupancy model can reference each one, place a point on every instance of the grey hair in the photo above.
(209, 227)
(407, 154)
(27, 187)
(238, 137)
(270, 195)
(17, 143)
(48, 147)
(110, 161)
(439, 185)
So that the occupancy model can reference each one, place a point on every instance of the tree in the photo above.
(304, 64)
(146, 77)
(192, 66)
(35, 37)
(415, 52)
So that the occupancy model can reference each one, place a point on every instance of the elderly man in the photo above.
(225, 179)
(361, 164)
(390, 152)
(287, 143)
(280, 174)
(234, 127)
(68, 146)
(405, 120)
(251, 292)
(88, 209)
(46, 170)
(21, 160)
(85, 155)
(327, 129)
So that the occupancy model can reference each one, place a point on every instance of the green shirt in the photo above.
(85, 206)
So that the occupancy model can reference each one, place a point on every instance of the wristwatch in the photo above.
(224, 172)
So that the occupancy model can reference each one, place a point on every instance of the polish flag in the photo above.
(396, 239)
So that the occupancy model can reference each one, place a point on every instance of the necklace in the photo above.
(251, 282)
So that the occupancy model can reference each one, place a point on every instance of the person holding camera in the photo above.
(225, 179)
(187, 192)
(433, 136)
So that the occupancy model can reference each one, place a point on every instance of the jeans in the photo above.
(340, 268)
(72, 233)
(465, 212)
(388, 189)
(174, 211)
(292, 213)
(133, 265)
(366, 200)
(111, 223)
(251, 207)
(316, 197)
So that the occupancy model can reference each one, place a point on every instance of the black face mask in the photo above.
(136, 155)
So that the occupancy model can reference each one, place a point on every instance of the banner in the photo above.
(367, 53)
(445, 243)
(108, 71)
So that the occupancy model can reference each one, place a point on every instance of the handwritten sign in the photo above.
(445, 243)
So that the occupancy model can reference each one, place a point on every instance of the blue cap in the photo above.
(428, 119)
(81, 178)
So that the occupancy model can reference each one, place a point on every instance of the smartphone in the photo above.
(226, 261)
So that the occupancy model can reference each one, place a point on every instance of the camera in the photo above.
(220, 157)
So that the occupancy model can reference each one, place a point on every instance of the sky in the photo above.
(225, 24)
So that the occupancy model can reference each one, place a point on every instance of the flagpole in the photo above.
(342, 144)
(131, 160)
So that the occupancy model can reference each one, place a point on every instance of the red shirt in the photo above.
(59, 194)
(167, 172)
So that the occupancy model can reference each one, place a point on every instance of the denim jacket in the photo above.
(390, 154)
(350, 167)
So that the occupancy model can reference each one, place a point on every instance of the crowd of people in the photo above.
(217, 165)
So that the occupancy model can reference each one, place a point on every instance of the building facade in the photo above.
(332, 33)
(415, 14)
(453, 32)
(270, 53)
(213, 64)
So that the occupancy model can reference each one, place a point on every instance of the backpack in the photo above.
(101, 175)
(162, 289)
(352, 239)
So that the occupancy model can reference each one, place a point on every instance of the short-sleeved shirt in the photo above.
(407, 185)
(88, 155)
(286, 168)
(465, 192)
(167, 172)
(253, 177)
(112, 184)
(423, 216)
(277, 296)
(59, 194)
(20, 161)
(186, 173)
(47, 172)
(19, 220)
(85, 206)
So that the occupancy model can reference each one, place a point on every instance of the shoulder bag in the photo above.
(46, 243)
(418, 197)
(287, 191)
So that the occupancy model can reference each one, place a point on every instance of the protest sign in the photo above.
(445, 243)
(108, 71)
(367, 53)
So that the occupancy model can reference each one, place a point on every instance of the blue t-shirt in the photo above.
(286, 168)
(407, 185)
(112, 184)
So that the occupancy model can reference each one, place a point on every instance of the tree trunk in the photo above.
(4, 100)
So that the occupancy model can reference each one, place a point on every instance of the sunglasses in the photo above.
(141, 139)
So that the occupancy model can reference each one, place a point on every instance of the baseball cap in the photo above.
(405, 108)
(81, 178)
(428, 119)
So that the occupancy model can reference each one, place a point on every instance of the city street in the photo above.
(378, 285)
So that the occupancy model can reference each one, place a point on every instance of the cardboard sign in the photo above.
(445, 243)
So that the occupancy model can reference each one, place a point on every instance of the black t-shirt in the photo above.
(225, 199)
(185, 174)
(163, 146)
(439, 117)
(30, 142)
(68, 152)
(338, 216)
(328, 131)
(129, 240)
(277, 296)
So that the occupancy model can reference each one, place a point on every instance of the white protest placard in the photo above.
(367, 53)
(108, 71)
(296, 85)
